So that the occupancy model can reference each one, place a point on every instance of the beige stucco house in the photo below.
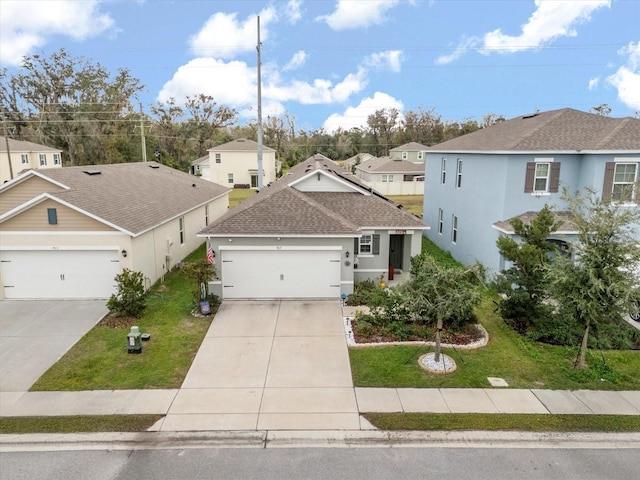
(66, 233)
(392, 176)
(26, 155)
(235, 164)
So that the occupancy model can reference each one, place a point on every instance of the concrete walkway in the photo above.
(284, 365)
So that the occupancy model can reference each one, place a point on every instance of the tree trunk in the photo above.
(438, 335)
(581, 361)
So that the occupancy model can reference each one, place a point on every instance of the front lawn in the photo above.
(99, 361)
(411, 203)
(239, 195)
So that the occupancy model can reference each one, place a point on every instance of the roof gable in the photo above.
(390, 165)
(240, 145)
(22, 146)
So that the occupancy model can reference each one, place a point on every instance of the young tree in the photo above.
(200, 272)
(599, 284)
(523, 283)
(130, 299)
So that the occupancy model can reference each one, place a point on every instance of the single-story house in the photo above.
(200, 167)
(26, 155)
(66, 233)
(311, 234)
(392, 176)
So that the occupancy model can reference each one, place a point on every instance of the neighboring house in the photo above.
(66, 233)
(351, 162)
(311, 234)
(392, 176)
(476, 183)
(24, 156)
(413, 152)
(200, 167)
(236, 164)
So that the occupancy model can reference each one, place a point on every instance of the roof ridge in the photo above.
(549, 117)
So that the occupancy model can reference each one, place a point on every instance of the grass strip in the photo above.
(78, 424)
(511, 422)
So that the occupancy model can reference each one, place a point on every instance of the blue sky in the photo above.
(329, 64)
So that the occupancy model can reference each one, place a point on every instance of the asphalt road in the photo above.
(324, 463)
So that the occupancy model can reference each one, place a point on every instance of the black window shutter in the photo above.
(607, 186)
(376, 244)
(554, 179)
(529, 177)
(356, 244)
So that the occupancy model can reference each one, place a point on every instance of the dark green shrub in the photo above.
(130, 298)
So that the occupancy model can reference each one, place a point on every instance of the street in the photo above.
(324, 463)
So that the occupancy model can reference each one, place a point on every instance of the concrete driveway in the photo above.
(269, 365)
(35, 334)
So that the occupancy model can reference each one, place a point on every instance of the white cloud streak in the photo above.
(350, 14)
(356, 117)
(390, 59)
(627, 79)
(298, 60)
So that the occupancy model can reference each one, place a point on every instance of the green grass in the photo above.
(99, 361)
(443, 257)
(494, 422)
(77, 423)
(523, 364)
(411, 203)
(238, 195)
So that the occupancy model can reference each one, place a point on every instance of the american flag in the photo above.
(210, 255)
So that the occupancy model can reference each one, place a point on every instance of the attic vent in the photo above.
(92, 172)
(154, 166)
(530, 116)
(241, 140)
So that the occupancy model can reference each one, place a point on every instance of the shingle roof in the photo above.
(566, 220)
(240, 145)
(409, 147)
(564, 130)
(133, 196)
(281, 209)
(24, 146)
(200, 160)
(390, 165)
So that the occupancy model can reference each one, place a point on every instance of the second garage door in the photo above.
(280, 273)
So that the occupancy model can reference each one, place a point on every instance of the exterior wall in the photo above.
(397, 188)
(36, 219)
(321, 183)
(33, 162)
(239, 164)
(374, 267)
(24, 191)
(413, 156)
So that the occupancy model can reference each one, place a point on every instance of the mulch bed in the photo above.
(467, 337)
(114, 321)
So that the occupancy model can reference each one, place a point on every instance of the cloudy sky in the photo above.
(331, 63)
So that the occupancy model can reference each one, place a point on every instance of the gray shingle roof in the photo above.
(240, 145)
(22, 146)
(281, 209)
(133, 196)
(409, 147)
(390, 165)
(564, 130)
(565, 218)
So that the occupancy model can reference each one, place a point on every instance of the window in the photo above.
(443, 170)
(387, 178)
(542, 176)
(24, 158)
(43, 159)
(624, 182)
(229, 177)
(206, 215)
(405, 155)
(56, 159)
(459, 173)
(254, 180)
(420, 155)
(181, 228)
(365, 244)
(218, 159)
(440, 221)
(454, 229)
(52, 215)
(369, 244)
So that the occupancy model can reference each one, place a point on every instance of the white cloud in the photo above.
(298, 60)
(356, 117)
(390, 59)
(467, 43)
(292, 11)
(593, 83)
(223, 36)
(627, 79)
(25, 27)
(350, 14)
(551, 19)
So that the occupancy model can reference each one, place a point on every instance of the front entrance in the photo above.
(396, 251)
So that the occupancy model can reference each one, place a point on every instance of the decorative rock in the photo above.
(445, 365)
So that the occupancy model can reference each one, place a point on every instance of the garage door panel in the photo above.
(281, 274)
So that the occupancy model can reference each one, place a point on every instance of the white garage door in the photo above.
(281, 273)
(59, 273)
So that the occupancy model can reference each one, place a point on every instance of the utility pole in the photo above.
(260, 174)
(143, 141)
(6, 141)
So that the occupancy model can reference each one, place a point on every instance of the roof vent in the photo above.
(154, 166)
(241, 140)
(92, 172)
(530, 116)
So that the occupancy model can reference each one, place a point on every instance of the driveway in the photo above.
(35, 334)
(269, 365)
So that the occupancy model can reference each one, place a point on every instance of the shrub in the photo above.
(130, 298)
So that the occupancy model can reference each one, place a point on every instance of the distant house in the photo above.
(412, 152)
(311, 234)
(24, 156)
(351, 162)
(477, 182)
(392, 176)
(67, 232)
(235, 164)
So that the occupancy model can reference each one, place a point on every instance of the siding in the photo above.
(25, 191)
(36, 219)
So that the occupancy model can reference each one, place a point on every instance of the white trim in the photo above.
(277, 235)
(274, 248)
(369, 270)
(532, 152)
(74, 233)
(399, 227)
(315, 171)
(559, 232)
(41, 248)
(543, 159)
(346, 282)
(30, 173)
(626, 159)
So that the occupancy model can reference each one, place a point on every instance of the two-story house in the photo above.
(476, 183)
(235, 164)
(25, 156)
(412, 152)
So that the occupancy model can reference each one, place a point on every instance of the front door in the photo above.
(254, 180)
(396, 251)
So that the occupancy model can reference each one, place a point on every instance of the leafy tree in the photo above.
(421, 126)
(524, 282)
(603, 110)
(200, 272)
(383, 123)
(599, 284)
(130, 298)
(446, 295)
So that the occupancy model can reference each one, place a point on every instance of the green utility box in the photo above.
(134, 345)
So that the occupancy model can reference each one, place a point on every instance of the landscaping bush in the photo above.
(367, 293)
(130, 297)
